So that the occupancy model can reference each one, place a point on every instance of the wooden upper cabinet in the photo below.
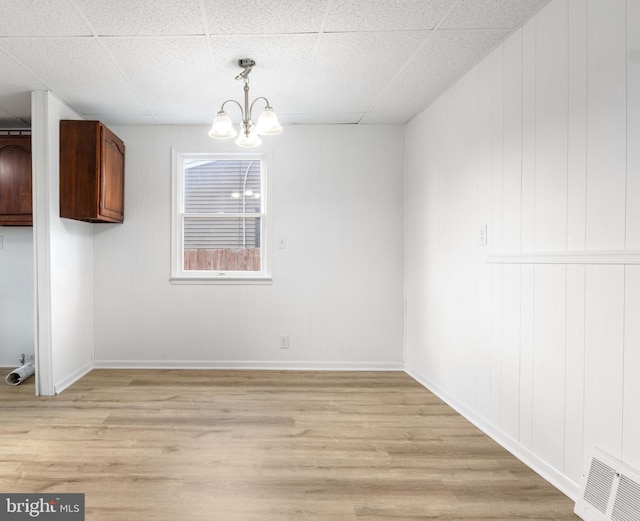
(91, 172)
(15, 181)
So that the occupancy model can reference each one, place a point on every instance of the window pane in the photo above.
(222, 244)
(222, 186)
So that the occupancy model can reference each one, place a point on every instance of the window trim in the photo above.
(178, 273)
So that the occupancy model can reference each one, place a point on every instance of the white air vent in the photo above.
(610, 491)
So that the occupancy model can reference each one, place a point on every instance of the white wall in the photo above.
(541, 143)
(16, 294)
(64, 257)
(337, 287)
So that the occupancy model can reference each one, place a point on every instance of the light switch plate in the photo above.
(482, 235)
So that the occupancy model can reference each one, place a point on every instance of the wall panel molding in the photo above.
(566, 257)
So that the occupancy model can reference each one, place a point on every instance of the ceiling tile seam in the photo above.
(446, 15)
(101, 43)
(525, 20)
(45, 37)
(261, 34)
(26, 68)
(407, 63)
(381, 31)
(313, 58)
(205, 24)
(12, 115)
(444, 89)
(265, 34)
(476, 29)
(409, 60)
(147, 36)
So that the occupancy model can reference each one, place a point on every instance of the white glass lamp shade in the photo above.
(222, 127)
(268, 123)
(248, 141)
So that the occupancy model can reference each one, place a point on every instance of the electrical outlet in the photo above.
(282, 243)
(284, 341)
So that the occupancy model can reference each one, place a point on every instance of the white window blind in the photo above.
(222, 187)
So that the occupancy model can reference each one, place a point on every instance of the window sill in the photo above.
(230, 279)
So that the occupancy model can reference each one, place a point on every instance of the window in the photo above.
(219, 221)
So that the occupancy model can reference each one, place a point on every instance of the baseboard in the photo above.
(72, 378)
(236, 364)
(565, 485)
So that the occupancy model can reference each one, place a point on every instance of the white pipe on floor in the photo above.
(20, 374)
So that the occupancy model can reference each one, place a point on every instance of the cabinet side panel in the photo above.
(78, 170)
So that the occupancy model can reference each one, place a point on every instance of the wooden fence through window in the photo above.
(219, 259)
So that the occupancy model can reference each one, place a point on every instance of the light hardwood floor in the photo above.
(263, 445)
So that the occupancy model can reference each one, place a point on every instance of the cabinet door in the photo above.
(112, 176)
(15, 181)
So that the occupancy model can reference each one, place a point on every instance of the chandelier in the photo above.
(267, 124)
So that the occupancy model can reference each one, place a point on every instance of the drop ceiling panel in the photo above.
(262, 17)
(497, 14)
(387, 118)
(351, 70)
(143, 17)
(15, 86)
(173, 61)
(175, 74)
(280, 74)
(201, 117)
(110, 119)
(40, 18)
(445, 58)
(79, 71)
(17, 103)
(11, 123)
(317, 118)
(390, 15)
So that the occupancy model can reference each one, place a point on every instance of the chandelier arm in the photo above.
(233, 101)
(259, 98)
